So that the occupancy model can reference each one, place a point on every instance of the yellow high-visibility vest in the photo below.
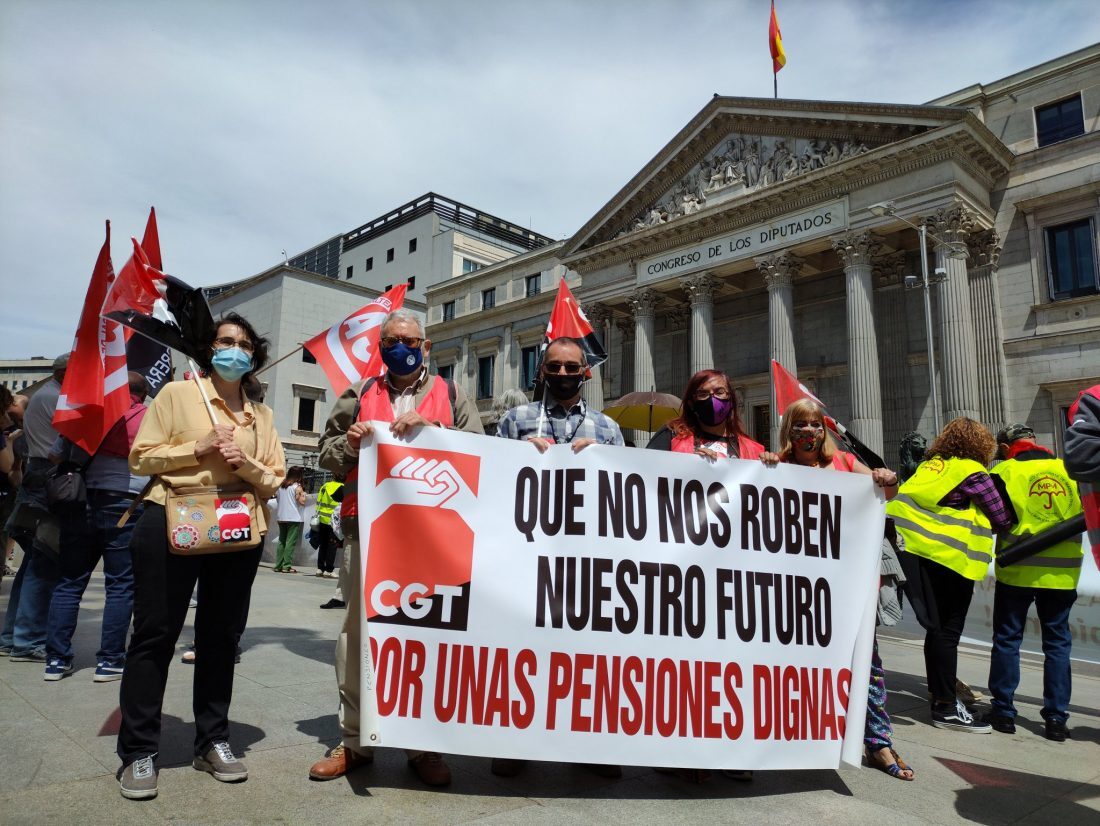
(1042, 495)
(961, 540)
(325, 503)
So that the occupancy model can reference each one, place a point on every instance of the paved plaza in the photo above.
(57, 760)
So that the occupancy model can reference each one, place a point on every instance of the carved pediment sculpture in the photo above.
(743, 163)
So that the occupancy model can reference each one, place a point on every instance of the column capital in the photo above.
(597, 314)
(643, 303)
(888, 268)
(677, 316)
(984, 249)
(779, 269)
(626, 326)
(951, 225)
(700, 288)
(854, 248)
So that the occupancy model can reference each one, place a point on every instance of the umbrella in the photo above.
(646, 411)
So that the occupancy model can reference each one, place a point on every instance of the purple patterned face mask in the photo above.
(712, 411)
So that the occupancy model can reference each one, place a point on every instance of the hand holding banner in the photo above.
(617, 607)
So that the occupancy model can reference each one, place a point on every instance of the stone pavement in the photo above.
(57, 760)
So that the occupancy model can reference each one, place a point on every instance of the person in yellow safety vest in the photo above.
(947, 512)
(327, 498)
(1042, 495)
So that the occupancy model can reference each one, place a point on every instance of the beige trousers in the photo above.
(348, 651)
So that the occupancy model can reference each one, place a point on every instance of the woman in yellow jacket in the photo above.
(948, 512)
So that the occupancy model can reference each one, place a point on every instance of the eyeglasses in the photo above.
(570, 368)
(721, 393)
(226, 342)
(392, 341)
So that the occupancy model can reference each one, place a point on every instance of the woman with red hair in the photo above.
(708, 424)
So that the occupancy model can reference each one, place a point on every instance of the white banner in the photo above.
(614, 606)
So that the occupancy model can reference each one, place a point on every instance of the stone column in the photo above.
(891, 324)
(952, 226)
(625, 373)
(508, 377)
(855, 250)
(597, 314)
(700, 288)
(779, 271)
(465, 370)
(985, 251)
(643, 305)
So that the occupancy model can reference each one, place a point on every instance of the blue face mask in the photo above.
(231, 363)
(402, 359)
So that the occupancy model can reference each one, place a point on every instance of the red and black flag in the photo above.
(568, 320)
(143, 355)
(160, 307)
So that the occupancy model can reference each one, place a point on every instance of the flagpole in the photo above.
(281, 358)
(775, 85)
(202, 390)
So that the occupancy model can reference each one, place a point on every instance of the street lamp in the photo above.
(888, 208)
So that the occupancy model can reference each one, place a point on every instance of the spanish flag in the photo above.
(775, 43)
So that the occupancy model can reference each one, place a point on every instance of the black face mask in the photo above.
(563, 387)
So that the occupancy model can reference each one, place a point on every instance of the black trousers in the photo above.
(941, 603)
(163, 582)
(326, 554)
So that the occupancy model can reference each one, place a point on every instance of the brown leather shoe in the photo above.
(431, 769)
(339, 762)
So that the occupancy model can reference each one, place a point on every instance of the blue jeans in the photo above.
(13, 602)
(1010, 606)
(40, 573)
(82, 546)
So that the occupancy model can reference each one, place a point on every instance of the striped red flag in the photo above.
(775, 43)
(348, 352)
(95, 393)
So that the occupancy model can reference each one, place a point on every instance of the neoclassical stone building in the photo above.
(787, 229)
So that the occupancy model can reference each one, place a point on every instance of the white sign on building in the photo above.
(756, 240)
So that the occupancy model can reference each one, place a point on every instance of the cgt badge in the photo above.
(233, 519)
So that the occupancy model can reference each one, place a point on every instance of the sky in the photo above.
(255, 127)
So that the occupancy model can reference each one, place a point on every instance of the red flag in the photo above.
(150, 242)
(95, 392)
(348, 352)
(568, 319)
(775, 43)
(789, 389)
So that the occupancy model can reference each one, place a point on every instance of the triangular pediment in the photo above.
(743, 150)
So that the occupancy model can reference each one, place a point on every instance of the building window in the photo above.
(307, 411)
(1071, 259)
(447, 371)
(412, 245)
(347, 273)
(1059, 121)
(485, 366)
(470, 266)
(389, 255)
(307, 357)
(489, 298)
(370, 264)
(534, 284)
(529, 358)
(412, 282)
(762, 424)
(448, 311)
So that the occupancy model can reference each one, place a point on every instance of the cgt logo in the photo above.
(233, 519)
(420, 553)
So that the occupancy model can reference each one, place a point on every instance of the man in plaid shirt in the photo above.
(564, 418)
